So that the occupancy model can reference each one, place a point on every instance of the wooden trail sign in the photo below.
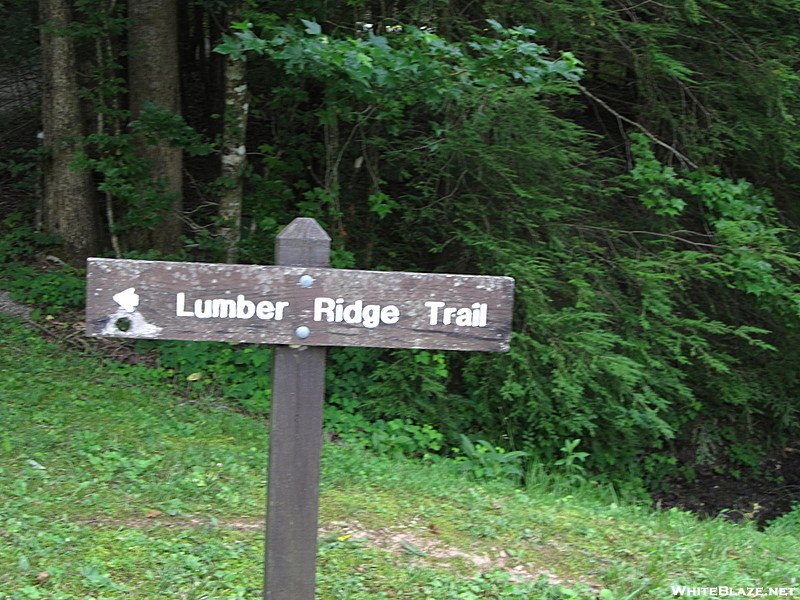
(272, 304)
(302, 306)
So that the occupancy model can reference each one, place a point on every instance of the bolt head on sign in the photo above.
(313, 306)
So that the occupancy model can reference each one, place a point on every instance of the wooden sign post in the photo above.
(295, 442)
(302, 306)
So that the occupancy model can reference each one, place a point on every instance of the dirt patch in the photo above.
(758, 497)
(12, 308)
(414, 540)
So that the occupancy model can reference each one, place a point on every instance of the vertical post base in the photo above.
(298, 389)
(294, 473)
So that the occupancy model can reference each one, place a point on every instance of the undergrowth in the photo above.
(113, 485)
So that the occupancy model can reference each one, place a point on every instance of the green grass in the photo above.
(113, 487)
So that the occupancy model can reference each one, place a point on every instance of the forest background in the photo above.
(632, 164)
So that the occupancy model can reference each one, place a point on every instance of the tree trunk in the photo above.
(154, 77)
(68, 208)
(234, 157)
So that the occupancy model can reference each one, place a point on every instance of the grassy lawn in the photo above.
(115, 487)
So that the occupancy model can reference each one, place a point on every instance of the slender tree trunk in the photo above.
(68, 206)
(234, 157)
(154, 77)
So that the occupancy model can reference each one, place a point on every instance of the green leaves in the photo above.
(158, 124)
(485, 462)
(413, 59)
(381, 204)
(747, 248)
(241, 43)
(312, 28)
(650, 299)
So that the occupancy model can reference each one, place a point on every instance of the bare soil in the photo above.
(759, 496)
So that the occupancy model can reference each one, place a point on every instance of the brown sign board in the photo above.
(311, 306)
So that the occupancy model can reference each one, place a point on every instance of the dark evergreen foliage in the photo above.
(632, 164)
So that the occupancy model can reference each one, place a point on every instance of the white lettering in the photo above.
(390, 314)
(245, 309)
(202, 309)
(434, 306)
(179, 303)
(223, 308)
(323, 307)
(371, 314)
(679, 590)
(464, 317)
(474, 316)
(352, 313)
(479, 315)
(226, 308)
(339, 310)
(265, 310)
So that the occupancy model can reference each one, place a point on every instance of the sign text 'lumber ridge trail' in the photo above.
(315, 306)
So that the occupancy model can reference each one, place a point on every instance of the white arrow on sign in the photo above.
(127, 299)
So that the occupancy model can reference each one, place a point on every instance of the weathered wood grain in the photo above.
(169, 293)
(298, 389)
